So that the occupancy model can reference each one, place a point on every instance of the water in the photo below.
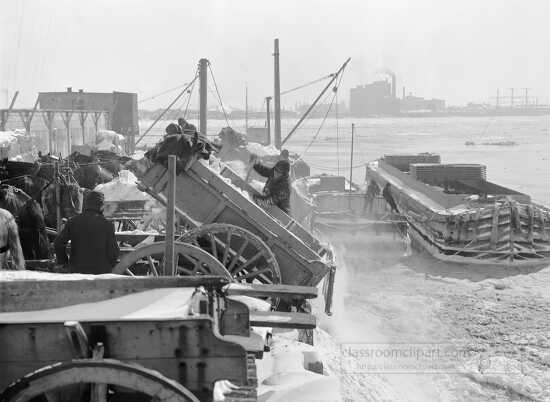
(385, 299)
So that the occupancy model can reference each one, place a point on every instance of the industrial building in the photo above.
(121, 106)
(374, 99)
(412, 103)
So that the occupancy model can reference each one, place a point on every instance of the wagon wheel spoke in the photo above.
(247, 264)
(254, 274)
(152, 267)
(227, 246)
(237, 256)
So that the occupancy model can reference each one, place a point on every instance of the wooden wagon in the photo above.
(132, 339)
(253, 245)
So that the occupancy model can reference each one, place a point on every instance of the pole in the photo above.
(169, 266)
(315, 101)
(246, 108)
(268, 118)
(57, 198)
(351, 156)
(277, 97)
(203, 86)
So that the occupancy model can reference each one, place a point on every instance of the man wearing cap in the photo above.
(277, 187)
(94, 249)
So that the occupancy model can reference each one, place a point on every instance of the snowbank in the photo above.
(262, 150)
(108, 140)
(8, 137)
(123, 188)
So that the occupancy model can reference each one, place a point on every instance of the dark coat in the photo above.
(276, 191)
(94, 249)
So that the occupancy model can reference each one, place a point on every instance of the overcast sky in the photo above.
(460, 50)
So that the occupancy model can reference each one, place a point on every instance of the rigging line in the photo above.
(337, 135)
(218, 92)
(166, 110)
(189, 101)
(163, 92)
(335, 91)
(321, 126)
(307, 84)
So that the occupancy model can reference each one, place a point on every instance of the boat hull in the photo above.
(453, 228)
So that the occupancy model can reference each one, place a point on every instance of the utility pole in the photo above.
(246, 108)
(526, 100)
(268, 118)
(203, 93)
(277, 97)
(351, 157)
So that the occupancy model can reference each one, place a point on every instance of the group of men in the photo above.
(93, 245)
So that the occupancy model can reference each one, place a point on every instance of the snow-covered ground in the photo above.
(476, 334)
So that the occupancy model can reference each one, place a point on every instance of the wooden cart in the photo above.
(132, 339)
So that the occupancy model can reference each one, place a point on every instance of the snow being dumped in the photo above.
(16, 145)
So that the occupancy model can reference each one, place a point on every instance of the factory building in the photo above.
(412, 103)
(121, 106)
(377, 98)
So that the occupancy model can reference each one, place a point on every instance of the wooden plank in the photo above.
(262, 290)
(494, 231)
(33, 294)
(277, 319)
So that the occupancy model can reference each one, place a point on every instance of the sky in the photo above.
(461, 50)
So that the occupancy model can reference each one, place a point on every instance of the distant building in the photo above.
(122, 106)
(415, 103)
(377, 98)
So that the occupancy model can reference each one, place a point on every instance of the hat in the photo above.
(282, 167)
(94, 201)
(173, 128)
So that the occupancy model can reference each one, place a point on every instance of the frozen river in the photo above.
(482, 335)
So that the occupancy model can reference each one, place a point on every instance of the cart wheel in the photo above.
(242, 253)
(149, 260)
(133, 377)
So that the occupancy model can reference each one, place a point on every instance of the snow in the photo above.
(9, 137)
(283, 377)
(262, 150)
(123, 188)
(108, 140)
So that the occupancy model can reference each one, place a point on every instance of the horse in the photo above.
(70, 203)
(30, 221)
(89, 172)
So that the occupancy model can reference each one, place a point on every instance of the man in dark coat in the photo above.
(277, 187)
(94, 249)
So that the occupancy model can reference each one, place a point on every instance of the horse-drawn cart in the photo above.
(252, 244)
(78, 337)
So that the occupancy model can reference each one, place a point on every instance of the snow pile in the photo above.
(108, 140)
(262, 150)
(8, 137)
(123, 188)
(283, 377)
(516, 376)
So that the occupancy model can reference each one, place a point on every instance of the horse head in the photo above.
(70, 202)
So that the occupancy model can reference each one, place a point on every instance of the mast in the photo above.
(203, 92)
(334, 77)
(277, 98)
(246, 108)
(351, 157)
(268, 118)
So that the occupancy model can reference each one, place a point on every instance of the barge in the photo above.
(458, 216)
